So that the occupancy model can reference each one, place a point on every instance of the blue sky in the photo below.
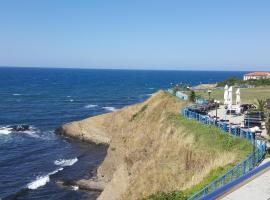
(143, 34)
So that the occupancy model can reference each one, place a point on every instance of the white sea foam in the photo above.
(55, 171)
(149, 95)
(5, 130)
(90, 106)
(42, 180)
(71, 100)
(67, 162)
(75, 187)
(32, 133)
(109, 108)
(16, 94)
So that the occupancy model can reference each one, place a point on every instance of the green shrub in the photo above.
(168, 196)
(140, 111)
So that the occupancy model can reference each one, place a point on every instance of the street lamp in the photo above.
(216, 105)
(209, 93)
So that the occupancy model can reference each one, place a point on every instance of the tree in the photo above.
(176, 88)
(267, 121)
(261, 105)
(192, 96)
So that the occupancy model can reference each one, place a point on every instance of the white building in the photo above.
(257, 75)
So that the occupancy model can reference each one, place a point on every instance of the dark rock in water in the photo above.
(20, 127)
(90, 185)
(59, 131)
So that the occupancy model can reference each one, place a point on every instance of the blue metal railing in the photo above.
(226, 188)
(241, 168)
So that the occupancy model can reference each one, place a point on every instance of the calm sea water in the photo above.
(33, 161)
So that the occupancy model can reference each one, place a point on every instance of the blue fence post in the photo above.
(244, 167)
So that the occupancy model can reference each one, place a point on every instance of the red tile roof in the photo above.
(258, 74)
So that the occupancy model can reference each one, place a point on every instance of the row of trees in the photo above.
(236, 81)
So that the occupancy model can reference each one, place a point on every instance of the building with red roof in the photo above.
(257, 75)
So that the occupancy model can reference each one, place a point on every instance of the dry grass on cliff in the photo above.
(159, 151)
(165, 152)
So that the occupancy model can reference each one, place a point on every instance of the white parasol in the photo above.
(230, 97)
(238, 101)
(226, 95)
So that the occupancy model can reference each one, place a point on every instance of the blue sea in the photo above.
(33, 161)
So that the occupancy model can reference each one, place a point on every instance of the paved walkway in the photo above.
(221, 113)
(256, 189)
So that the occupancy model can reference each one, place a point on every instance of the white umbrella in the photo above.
(238, 101)
(226, 95)
(230, 97)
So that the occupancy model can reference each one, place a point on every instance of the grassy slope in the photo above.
(248, 95)
(213, 140)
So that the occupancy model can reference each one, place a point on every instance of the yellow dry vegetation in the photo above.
(151, 151)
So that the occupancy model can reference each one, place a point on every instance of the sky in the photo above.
(136, 34)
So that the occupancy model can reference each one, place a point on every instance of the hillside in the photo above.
(152, 149)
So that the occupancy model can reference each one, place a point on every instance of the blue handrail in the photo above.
(225, 188)
(241, 168)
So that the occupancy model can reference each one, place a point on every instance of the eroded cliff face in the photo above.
(147, 152)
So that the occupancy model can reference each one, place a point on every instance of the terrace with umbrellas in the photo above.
(231, 111)
(247, 116)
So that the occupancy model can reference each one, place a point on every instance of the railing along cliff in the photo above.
(242, 168)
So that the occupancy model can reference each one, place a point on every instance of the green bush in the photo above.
(168, 196)
(192, 96)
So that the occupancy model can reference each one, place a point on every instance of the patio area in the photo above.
(235, 119)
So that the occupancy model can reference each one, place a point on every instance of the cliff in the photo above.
(152, 149)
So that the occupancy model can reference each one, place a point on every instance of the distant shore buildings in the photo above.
(257, 75)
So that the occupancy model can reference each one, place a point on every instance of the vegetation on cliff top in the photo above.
(213, 139)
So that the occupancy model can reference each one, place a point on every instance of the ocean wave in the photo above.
(90, 106)
(21, 128)
(5, 130)
(42, 180)
(75, 187)
(67, 162)
(32, 133)
(109, 108)
(16, 94)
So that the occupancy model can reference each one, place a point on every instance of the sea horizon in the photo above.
(127, 69)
